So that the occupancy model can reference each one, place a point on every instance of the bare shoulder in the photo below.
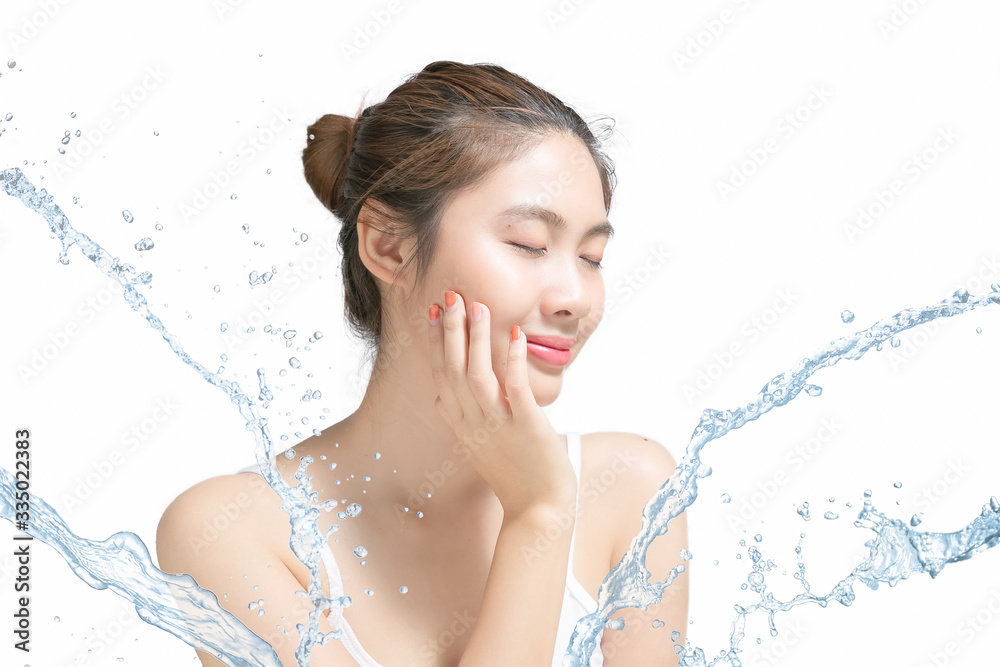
(626, 456)
(620, 473)
(213, 514)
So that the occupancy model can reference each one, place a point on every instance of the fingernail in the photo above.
(434, 313)
(449, 301)
(477, 311)
(515, 333)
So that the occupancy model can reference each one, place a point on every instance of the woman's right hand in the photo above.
(504, 432)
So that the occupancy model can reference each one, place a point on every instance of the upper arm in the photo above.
(647, 465)
(215, 531)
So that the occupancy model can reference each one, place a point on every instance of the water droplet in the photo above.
(65, 140)
(333, 466)
(145, 243)
(223, 326)
(961, 295)
(269, 171)
(846, 316)
(353, 510)
(403, 589)
(294, 363)
(813, 390)
(725, 497)
(758, 537)
(246, 228)
(916, 519)
(217, 289)
(127, 214)
(11, 64)
(894, 341)
(361, 552)
(290, 334)
(304, 236)
(898, 485)
(616, 623)
(420, 515)
(369, 592)
(868, 493)
(72, 114)
(232, 196)
(9, 116)
(686, 555)
(56, 619)
(979, 330)
(377, 456)
(317, 335)
(156, 133)
(831, 515)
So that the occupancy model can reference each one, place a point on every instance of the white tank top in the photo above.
(577, 602)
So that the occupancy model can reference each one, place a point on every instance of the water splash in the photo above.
(628, 585)
(225, 637)
(123, 565)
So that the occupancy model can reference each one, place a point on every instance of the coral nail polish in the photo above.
(515, 333)
(449, 301)
(434, 312)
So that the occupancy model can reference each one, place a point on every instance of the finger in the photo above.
(456, 354)
(483, 381)
(446, 394)
(516, 378)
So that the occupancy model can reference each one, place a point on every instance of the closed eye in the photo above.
(541, 251)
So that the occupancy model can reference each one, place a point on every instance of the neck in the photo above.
(418, 452)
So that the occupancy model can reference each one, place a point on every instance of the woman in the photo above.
(474, 209)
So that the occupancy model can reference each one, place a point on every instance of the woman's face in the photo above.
(556, 292)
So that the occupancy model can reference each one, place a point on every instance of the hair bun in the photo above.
(328, 145)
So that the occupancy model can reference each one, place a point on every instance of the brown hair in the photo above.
(443, 129)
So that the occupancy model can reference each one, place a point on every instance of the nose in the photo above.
(567, 289)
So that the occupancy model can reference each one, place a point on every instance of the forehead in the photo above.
(557, 174)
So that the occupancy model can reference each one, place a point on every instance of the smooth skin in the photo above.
(474, 595)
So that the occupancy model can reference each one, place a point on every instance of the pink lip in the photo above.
(553, 349)
(554, 342)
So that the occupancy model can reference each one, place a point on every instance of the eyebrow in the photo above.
(553, 219)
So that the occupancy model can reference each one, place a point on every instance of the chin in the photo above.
(546, 389)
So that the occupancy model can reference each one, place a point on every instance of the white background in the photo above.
(895, 74)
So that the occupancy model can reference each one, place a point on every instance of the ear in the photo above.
(381, 251)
